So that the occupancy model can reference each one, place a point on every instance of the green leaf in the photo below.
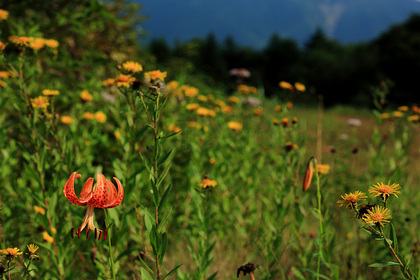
(164, 198)
(163, 158)
(164, 220)
(149, 220)
(171, 272)
(145, 274)
(384, 264)
(163, 175)
(297, 273)
(393, 237)
(163, 246)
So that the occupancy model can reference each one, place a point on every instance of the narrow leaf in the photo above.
(383, 264)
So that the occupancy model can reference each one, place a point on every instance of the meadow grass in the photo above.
(211, 181)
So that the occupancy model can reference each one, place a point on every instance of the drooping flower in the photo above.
(350, 200)
(11, 252)
(101, 195)
(307, 179)
(378, 215)
(384, 190)
(133, 67)
(32, 248)
(206, 182)
(155, 75)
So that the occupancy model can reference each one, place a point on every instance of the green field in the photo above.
(199, 181)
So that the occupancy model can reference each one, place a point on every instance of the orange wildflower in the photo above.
(300, 87)
(308, 175)
(155, 75)
(40, 102)
(51, 43)
(50, 92)
(19, 40)
(100, 117)
(133, 67)
(286, 85)
(124, 80)
(86, 96)
(101, 195)
(235, 125)
(3, 14)
(206, 183)
(66, 119)
(108, 82)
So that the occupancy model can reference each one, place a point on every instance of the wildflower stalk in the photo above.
(321, 225)
(111, 259)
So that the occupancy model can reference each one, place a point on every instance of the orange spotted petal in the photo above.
(87, 192)
(100, 193)
(116, 199)
(112, 194)
(68, 189)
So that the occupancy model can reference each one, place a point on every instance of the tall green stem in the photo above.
(111, 259)
(321, 225)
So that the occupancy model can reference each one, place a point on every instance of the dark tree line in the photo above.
(341, 73)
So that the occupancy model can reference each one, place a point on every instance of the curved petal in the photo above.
(100, 193)
(112, 194)
(86, 193)
(68, 189)
(119, 197)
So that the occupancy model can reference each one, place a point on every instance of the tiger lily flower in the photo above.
(101, 195)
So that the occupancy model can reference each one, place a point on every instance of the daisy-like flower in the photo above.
(11, 252)
(384, 190)
(235, 125)
(414, 118)
(384, 116)
(275, 122)
(3, 14)
(133, 67)
(258, 111)
(350, 200)
(40, 102)
(50, 92)
(289, 105)
(36, 43)
(172, 85)
(403, 108)
(101, 195)
(6, 74)
(155, 75)
(189, 91)
(289, 146)
(378, 216)
(47, 237)
(278, 108)
(206, 182)
(397, 114)
(124, 80)
(32, 248)
(323, 168)
(284, 122)
(88, 116)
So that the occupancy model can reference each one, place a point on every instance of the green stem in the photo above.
(111, 259)
(321, 226)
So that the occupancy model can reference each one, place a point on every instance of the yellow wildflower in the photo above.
(19, 40)
(414, 118)
(384, 190)
(155, 75)
(86, 96)
(3, 84)
(384, 116)
(51, 43)
(47, 237)
(39, 210)
(40, 102)
(233, 100)
(88, 116)
(350, 200)
(189, 91)
(300, 87)
(286, 85)
(66, 119)
(378, 215)
(108, 82)
(397, 114)
(206, 183)
(172, 85)
(403, 108)
(32, 248)
(235, 125)
(6, 74)
(278, 108)
(2, 46)
(323, 168)
(49, 92)
(258, 111)
(36, 43)
(124, 80)
(100, 117)
(3, 14)
(11, 252)
(133, 67)
(192, 106)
